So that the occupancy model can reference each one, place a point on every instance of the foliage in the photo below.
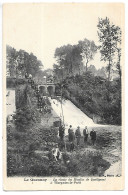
(89, 93)
(24, 161)
(20, 62)
(97, 72)
(95, 93)
(26, 112)
(69, 61)
(80, 163)
(110, 38)
(70, 58)
(11, 56)
(88, 50)
(21, 147)
(25, 117)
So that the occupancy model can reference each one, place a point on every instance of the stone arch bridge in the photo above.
(47, 89)
(14, 89)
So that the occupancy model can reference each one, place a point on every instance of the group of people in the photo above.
(77, 135)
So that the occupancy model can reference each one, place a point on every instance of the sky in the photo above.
(41, 28)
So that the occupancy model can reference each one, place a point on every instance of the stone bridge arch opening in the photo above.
(50, 90)
(42, 90)
(46, 89)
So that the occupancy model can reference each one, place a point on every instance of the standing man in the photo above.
(78, 135)
(69, 131)
(93, 136)
(61, 132)
(71, 137)
(85, 134)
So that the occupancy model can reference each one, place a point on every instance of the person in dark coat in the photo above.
(93, 136)
(85, 134)
(71, 139)
(69, 131)
(61, 132)
(78, 135)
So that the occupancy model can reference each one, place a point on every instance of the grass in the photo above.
(29, 153)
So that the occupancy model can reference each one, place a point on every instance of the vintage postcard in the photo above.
(63, 89)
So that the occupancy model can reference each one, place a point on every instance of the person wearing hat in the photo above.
(61, 132)
(85, 134)
(93, 136)
(78, 135)
(71, 137)
(69, 132)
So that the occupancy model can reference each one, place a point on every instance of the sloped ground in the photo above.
(110, 144)
(29, 153)
(112, 148)
(108, 136)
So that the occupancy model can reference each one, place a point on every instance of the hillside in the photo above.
(95, 96)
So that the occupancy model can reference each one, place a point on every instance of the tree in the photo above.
(64, 60)
(28, 63)
(26, 117)
(77, 59)
(88, 50)
(69, 61)
(11, 56)
(19, 62)
(109, 37)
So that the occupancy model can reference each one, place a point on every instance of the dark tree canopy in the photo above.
(24, 62)
(70, 58)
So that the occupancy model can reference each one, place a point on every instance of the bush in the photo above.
(38, 170)
(57, 170)
(94, 96)
(34, 146)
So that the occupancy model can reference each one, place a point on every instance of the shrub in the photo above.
(38, 170)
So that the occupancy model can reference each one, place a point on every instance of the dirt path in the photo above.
(115, 169)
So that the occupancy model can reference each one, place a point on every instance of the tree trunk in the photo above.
(71, 68)
(87, 65)
(79, 68)
(109, 75)
(119, 69)
(109, 71)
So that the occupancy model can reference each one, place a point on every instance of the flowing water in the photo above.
(71, 114)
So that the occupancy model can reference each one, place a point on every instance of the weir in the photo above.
(72, 115)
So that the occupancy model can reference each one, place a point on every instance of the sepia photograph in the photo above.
(63, 88)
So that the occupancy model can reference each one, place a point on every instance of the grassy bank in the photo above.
(29, 153)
